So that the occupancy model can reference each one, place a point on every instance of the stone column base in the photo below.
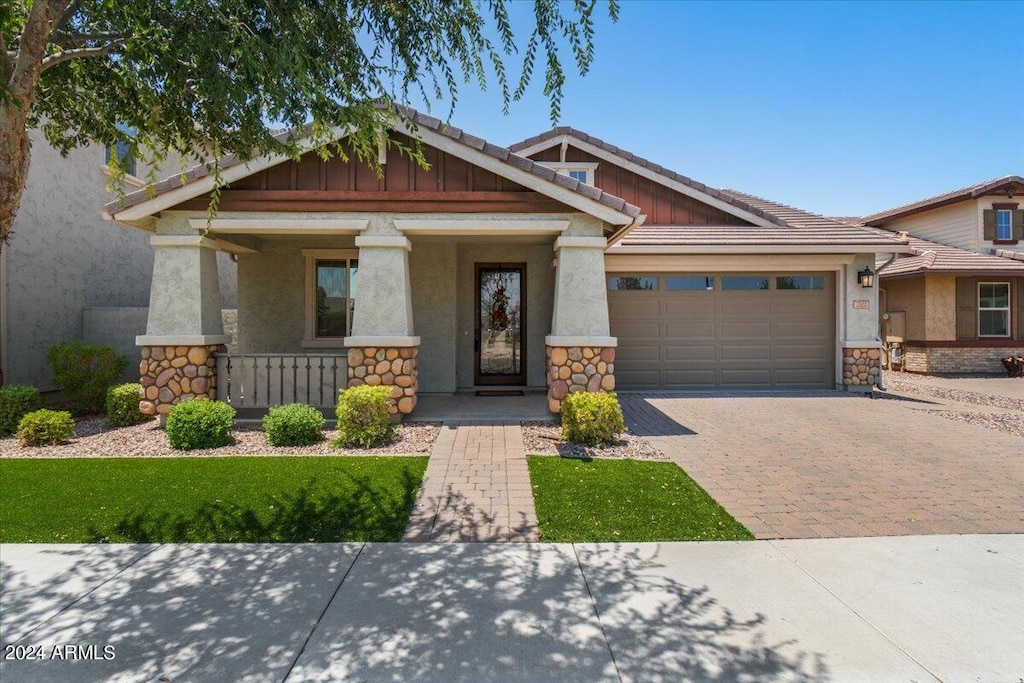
(861, 367)
(578, 368)
(171, 374)
(394, 366)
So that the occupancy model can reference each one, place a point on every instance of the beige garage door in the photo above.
(687, 331)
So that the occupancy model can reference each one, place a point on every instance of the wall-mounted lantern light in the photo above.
(866, 277)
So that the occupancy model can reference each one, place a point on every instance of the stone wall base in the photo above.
(393, 366)
(861, 367)
(578, 368)
(170, 374)
(934, 359)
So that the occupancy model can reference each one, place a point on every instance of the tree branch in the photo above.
(80, 53)
(64, 38)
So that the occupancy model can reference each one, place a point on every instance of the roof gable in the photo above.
(1010, 184)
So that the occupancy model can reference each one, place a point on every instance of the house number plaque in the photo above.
(861, 303)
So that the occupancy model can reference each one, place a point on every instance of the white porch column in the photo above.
(383, 348)
(184, 330)
(580, 349)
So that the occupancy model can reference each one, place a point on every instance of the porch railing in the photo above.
(262, 380)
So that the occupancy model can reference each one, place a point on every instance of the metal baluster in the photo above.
(334, 379)
(321, 382)
(255, 380)
(308, 397)
(280, 388)
(270, 369)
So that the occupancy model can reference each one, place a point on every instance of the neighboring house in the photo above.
(492, 269)
(66, 275)
(956, 302)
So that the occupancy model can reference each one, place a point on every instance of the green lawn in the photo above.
(237, 499)
(625, 500)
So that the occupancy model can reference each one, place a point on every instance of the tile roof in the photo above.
(418, 120)
(1014, 182)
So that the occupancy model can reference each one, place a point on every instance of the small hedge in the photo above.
(123, 405)
(200, 424)
(296, 424)
(16, 402)
(363, 418)
(592, 419)
(84, 372)
(45, 428)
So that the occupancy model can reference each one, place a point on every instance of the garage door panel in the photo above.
(747, 377)
(637, 330)
(799, 352)
(699, 306)
(637, 378)
(630, 352)
(695, 352)
(744, 352)
(690, 378)
(795, 377)
(633, 305)
(800, 329)
(743, 304)
(797, 306)
(745, 329)
(693, 329)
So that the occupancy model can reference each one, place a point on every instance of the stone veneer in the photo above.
(578, 368)
(861, 367)
(170, 374)
(943, 359)
(388, 366)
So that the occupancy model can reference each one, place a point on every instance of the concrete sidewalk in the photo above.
(919, 608)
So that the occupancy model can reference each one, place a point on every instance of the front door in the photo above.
(500, 354)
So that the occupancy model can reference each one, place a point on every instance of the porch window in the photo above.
(993, 309)
(331, 283)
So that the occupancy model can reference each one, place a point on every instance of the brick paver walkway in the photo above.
(827, 464)
(476, 487)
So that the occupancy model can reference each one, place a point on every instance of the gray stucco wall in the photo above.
(432, 268)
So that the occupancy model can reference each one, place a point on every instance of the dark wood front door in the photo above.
(500, 334)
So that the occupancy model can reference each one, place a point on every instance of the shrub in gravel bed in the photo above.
(592, 419)
(200, 424)
(296, 424)
(15, 402)
(363, 418)
(45, 428)
(84, 372)
(123, 405)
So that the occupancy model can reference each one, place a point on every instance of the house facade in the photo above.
(955, 303)
(561, 263)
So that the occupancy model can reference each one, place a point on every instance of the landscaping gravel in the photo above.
(543, 438)
(93, 439)
(908, 383)
(1011, 423)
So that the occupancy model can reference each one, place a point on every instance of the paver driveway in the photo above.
(829, 464)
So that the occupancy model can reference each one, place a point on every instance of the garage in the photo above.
(723, 330)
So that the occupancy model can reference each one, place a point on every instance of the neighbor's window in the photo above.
(747, 282)
(799, 282)
(993, 309)
(689, 283)
(1004, 224)
(122, 152)
(641, 283)
(331, 277)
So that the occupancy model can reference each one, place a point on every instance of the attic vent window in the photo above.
(580, 171)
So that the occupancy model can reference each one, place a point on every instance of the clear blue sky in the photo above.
(839, 108)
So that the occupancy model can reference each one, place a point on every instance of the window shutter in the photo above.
(1018, 225)
(1020, 308)
(966, 308)
(989, 225)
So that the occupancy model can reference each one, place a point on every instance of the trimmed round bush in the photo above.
(363, 418)
(200, 424)
(84, 372)
(45, 428)
(295, 424)
(16, 402)
(592, 419)
(123, 405)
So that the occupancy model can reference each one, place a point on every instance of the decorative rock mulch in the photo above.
(93, 439)
(1011, 423)
(544, 438)
(909, 383)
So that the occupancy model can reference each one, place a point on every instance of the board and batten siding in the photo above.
(957, 225)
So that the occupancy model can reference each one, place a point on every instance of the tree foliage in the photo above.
(205, 78)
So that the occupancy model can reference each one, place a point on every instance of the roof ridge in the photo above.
(952, 196)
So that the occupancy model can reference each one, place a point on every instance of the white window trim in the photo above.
(564, 167)
(1007, 308)
(309, 338)
(1009, 225)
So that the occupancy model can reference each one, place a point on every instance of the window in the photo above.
(125, 159)
(688, 283)
(799, 282)
(745, 282)
(582, 171)
(640, 283)
(993, 309)
(331, 279)
(1004, 224)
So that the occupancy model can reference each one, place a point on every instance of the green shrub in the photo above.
(592, 419)
(363, 418)
(295, 424)
(200, 424)
(123, 405)
(15, 403)
(45, 428)
(84, 372)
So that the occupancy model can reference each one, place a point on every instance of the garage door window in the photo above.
(799, 282)
(638, 283)
(744, 282)
(689, 283)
